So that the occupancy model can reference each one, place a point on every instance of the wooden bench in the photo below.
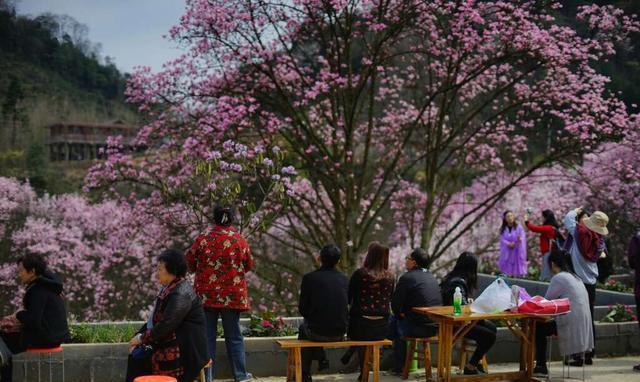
(294, 360)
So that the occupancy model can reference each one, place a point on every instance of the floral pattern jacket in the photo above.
(220, 260)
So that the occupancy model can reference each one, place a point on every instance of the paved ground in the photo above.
(603, 370)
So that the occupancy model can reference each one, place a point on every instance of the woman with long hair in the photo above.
(370, 291)
(513, 247)
(465, 276)
(549, 231)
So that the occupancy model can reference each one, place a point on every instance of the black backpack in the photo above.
(560, 242)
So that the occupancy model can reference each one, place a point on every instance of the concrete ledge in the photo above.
(603, 297)
(107, 362)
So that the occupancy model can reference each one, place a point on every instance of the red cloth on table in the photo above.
(540, 305)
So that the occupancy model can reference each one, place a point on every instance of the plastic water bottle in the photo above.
(457, 302)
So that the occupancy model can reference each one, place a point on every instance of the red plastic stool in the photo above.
(155, 378)
(44, 351)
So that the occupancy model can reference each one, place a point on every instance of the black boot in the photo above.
(347, 355)
(540, 370)
(588, 358)
(323, 364)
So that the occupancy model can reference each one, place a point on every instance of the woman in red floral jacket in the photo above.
(220, 260)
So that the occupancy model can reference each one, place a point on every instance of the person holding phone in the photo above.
(549, 230)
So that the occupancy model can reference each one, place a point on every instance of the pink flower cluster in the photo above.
(15, 198)
(104, 252)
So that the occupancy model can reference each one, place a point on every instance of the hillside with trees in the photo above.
(50, 72)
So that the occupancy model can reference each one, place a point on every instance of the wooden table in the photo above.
(453, 328)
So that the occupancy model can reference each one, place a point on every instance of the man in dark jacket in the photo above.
(43, 321)
(416, 288)
(324, 306)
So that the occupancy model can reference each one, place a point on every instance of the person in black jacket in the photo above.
(370, 291)
(465, 276)
(323, 304)
(42, 322)
(174, 340)
(416, 288)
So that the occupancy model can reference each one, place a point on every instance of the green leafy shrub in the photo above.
(84, 333)
(533, 273)
(268, 325)
(619, 313)
(615, 286)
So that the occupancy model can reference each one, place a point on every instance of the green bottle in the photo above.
(457, 302)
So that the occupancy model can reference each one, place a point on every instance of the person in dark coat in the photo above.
(42, 323)
(465, 276)
(324, 306)
(416, 288)
(174, 340)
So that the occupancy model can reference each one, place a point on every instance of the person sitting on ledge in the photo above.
(416, 288)
(173, 342)
(324, 306)
(42, 322)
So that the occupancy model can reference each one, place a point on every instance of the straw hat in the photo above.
(597, 222)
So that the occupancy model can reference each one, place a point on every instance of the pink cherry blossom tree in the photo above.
(612, 176)
(364, 95)
(103, 252)
(558, 189)
(15, 198)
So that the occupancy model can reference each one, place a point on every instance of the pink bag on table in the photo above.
(540, 305)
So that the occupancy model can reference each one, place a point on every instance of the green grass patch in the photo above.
(85, 333)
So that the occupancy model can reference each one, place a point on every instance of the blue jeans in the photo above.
(232, 339)
(402, 327)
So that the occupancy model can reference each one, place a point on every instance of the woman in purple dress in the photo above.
(513, 247)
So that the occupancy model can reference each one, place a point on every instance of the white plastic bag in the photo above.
(496, 298)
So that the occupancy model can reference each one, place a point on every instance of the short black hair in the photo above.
(330, 255)
(420, 257)
(174, 261)
(581, 214)
(224, 215)
(33, 262)
(562, 259)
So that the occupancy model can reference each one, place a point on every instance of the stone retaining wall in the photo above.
(603, 297)
(107, 362)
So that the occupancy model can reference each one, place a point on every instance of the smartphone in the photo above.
(529, 211)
